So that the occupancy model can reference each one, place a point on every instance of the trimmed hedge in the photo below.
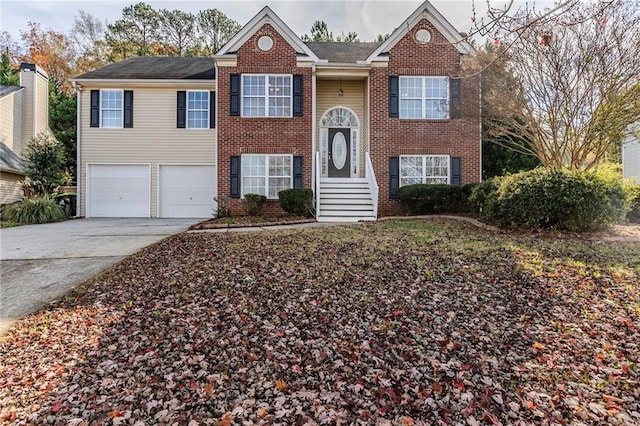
(436, 199)
(548, 199)
(255, 202)
(33, 211)
(298, 201)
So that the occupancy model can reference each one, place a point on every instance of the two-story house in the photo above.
(161, 137)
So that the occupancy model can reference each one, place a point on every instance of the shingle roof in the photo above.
(156, 68)
(9, 160)
(343, 53)
(5, 90)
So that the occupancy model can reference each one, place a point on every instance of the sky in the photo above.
(367, 18)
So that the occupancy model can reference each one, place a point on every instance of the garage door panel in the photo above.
(118, 190)
(187, 190)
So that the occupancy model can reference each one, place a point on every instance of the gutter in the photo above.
(138, 82)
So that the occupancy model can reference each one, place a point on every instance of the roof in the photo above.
(5, 90)
(9, 160)
(344, 53)
(156, 68)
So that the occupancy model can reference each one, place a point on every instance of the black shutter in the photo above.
(297, 95)
(394, 176)
(128, 108)
(456, 171)
(235, 177)
(297, 172)
(454, 95)
(394, 98)
(212, 110)
(181, 122)
(95, 109)
(234, 102)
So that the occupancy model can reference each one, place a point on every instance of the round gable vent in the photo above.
(265, 43)
(423, 36)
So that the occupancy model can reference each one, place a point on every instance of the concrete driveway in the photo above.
(39, 263)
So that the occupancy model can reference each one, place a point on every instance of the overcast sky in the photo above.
(367, 18)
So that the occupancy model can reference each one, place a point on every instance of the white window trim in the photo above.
(208, 96)
(266, 96)
(424, 168)
(266, 172)
(121, 110)
(424, 98)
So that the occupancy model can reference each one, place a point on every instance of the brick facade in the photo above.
(392, 137)
(389, 137)
(238, 135)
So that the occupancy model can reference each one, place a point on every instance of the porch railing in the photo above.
(316, 190)
(373, 184)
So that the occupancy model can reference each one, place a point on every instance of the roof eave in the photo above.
(140, 81)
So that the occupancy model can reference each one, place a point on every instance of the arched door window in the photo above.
(340, 118)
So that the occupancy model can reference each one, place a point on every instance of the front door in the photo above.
(339, 156)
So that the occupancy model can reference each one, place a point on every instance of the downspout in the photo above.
(78, 90)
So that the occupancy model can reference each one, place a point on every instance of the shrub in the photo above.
(298, 201)
(436, 199)
(633, 198)
(33, 211)
(542, 198)
(254, 203)
(44, 164)
(223, 209)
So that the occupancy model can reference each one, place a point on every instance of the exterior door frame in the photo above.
(352, 124)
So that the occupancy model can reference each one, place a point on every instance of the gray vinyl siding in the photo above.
(154, 138)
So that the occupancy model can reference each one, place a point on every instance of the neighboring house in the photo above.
(631, 154)
(353, 121)
(24, 112)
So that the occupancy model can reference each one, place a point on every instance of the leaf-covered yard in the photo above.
(412, 322)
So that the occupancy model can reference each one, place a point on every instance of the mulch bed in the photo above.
(250, 221)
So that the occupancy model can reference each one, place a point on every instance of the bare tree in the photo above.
(90, 47)
(571, 88)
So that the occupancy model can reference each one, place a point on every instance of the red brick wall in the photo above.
(238, 135)
(392, 137)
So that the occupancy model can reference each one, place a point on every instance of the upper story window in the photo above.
(111, 109)
(266, 95)
(198, 109)
(424, 97)
(424, 169)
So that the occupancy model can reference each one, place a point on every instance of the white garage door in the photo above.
(187, 191)
(118, 190)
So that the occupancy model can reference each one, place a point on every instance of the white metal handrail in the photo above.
(373, 184)
(316, 190)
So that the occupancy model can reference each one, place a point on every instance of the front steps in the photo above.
(345, 200)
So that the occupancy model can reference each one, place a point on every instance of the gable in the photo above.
(267, 17)
(281, 53)
(425, 17)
